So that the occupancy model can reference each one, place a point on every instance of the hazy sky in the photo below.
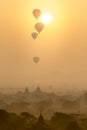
(61, 46)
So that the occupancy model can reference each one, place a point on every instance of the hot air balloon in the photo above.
(34, 35)
(39, 27)
(36, 59)
(36, 13)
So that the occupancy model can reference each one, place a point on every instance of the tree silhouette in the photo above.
(73, 126)
(60, 120)
(27, 116)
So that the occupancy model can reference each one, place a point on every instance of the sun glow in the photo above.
(46, 18)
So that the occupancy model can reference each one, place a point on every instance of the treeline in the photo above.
(27, 121)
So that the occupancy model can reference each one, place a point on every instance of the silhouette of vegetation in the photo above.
(60, 120)
(27, 121)
(73, 126)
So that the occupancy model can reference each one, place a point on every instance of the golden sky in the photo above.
(61, 46)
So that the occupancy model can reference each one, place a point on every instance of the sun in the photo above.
(46, 18)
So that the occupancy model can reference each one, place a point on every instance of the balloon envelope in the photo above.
(34, 35)
(36, 13)
(36, 59)
(39, 27)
